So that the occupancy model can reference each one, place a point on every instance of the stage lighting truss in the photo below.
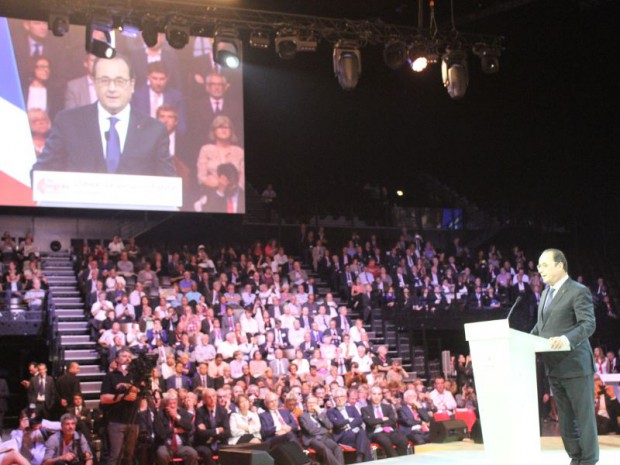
(100, 39)
(454, 72)
(489, 56)
(260, 39)
(419, 54)
(177, 32)
(347, 63)
(227, 48)
(290, 41)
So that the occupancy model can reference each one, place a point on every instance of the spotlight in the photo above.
(489, 57)
(289, 41)
(347, 63)
(454, 72)
(150, 32)
(100, 39)
(58, 24)
(419, 55)
(177, 34)
(226, 48)
(395, 53)
(260, 39)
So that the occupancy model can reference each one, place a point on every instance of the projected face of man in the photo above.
(114, 85)
(36, 29)
(39, 122)
(158, 81)
(169, 118)
(216, 86)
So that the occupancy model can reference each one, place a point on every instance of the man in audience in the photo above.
(442, 398)
(173, 432)
(212, 427)
(348, 426)
(382, 426)
(315, 433)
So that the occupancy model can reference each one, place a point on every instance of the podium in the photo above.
(504, 366)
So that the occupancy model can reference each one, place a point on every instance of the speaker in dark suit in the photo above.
(382, 427)
(566, 316)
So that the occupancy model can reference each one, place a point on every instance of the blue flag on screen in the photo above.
(10, 86)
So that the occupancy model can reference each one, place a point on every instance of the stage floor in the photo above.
(468, 453)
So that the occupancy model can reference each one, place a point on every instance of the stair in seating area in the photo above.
(75, 340)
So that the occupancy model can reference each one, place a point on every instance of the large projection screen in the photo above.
(176, 142)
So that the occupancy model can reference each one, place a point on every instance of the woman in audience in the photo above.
(257, 365)
(244, 424)
(222, 149)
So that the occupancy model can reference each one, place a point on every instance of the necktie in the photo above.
(204, 381)
(42, 387)
(548, 301)
(113, 149)
(173, 442)
(37, 49)
(218, 107)
(378, 413)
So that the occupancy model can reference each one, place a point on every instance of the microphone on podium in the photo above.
(513, 307)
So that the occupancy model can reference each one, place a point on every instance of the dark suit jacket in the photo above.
(268, 427)
(406, 419)
(141, 101)
(368, 413)
(171, 382)
(340, 424)
(570, 314)
(74, 144)
(202, 116)
(164, 428)
(67, 386)
(221, 420)
(218, 204)
(311, 429)
(339, 325)
(197, 382)
(50, 391)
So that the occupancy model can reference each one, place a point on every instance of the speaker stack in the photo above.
(448, 431)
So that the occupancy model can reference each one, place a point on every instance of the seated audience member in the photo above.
(442, 399)
(178, 380)
(173, 433)
(35, 296)
(348, 426)
(607, 408)
(413, 420)
(277, 425)
(244, 424)
(381, 425)
(30, 440)
(315, 433)
(212, 427)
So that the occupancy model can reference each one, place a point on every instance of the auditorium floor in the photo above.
(468, 453)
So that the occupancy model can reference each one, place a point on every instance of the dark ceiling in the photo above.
(538, 138)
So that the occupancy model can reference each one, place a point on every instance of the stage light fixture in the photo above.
(177, 33)
(395, 53)
(347, 63)
(100, 40)
(58, 24)
(419, 55)
(289, 42)
(150, 32)
(260, 39)
(489, 57)
(226, 48)
(454, 72)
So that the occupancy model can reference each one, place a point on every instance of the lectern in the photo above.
(504, 366)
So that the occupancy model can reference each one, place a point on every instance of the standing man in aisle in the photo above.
(566, 317)
(119, 395)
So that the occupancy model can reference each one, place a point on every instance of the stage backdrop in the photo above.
(47, 93)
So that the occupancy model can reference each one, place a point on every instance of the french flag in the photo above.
(16, 149)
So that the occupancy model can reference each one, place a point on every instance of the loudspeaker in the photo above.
(448, 431)
(289, 453)
(244, 457)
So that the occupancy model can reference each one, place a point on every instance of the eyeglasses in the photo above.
(119, 82)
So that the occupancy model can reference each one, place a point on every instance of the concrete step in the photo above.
(70, 312)
(81, 354)
(75, 339)
(59, 300)
(91, 403)
(90, 371)
(73, 327)
(90, 387)
(53, 272)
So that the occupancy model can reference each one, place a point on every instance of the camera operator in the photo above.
(119, 396)
(67, 447)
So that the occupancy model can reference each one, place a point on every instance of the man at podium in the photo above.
(566, 317)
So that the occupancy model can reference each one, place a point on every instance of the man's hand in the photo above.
(559, 342)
